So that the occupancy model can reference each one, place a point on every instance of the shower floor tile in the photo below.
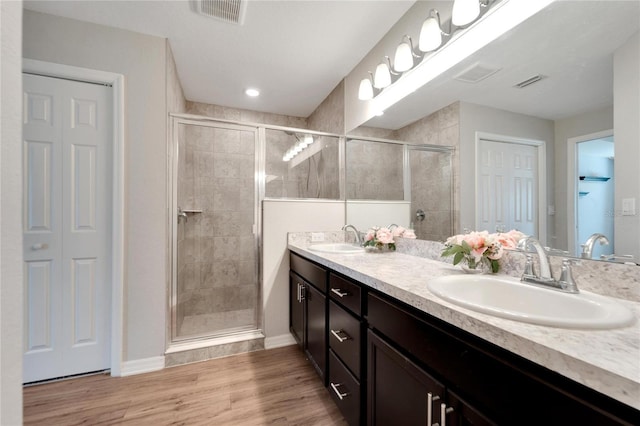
(216, 322)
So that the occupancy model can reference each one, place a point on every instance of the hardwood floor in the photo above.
(274, 387)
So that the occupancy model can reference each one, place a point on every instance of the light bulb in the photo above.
(430, 35)
(382, 77)
(464, 12)
(365, 92)
(403, 60)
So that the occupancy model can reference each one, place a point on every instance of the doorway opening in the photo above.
(592, 193)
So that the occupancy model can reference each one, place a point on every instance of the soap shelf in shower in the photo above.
(192, 211)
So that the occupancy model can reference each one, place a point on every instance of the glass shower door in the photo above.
(215, 287)
(431, 176)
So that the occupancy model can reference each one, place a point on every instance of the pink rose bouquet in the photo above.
(480, 248)
(384, 237)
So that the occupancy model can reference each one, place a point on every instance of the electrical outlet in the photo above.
(317, 237)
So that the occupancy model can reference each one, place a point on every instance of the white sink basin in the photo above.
(343, 248)
(507, 297)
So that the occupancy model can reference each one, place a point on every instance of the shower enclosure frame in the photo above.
(174, 344)
(406, 167)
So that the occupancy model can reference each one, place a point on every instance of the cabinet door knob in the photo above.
(340, 338)
(303, 290)
(339, 292)
(340, 395)
(40, 246)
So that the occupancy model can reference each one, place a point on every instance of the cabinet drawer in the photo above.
(345, 337)
(311, 272)
(346, 293)
(344, 389)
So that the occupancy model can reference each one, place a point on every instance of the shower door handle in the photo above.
(182, 215)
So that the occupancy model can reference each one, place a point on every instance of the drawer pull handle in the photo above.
(340, 395)
(339, 292)
(337, 335)
(443, 413)
(430, 399)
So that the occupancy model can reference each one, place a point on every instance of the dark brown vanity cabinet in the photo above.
(483, 384)
(345, 347)
(387, 363)
(308, 310)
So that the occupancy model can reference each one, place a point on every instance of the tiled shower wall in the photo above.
(315, 177)
(374, 171)
(217, 275)
(429, 191)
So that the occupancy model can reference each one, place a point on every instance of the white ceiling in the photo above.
(294, 52)
(571, 43)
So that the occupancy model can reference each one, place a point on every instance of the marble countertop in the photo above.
(605, 360)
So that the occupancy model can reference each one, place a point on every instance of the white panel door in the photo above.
(507, 187)
(67, 226)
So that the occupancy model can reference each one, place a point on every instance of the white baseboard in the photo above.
(139, 366)
(279, 341)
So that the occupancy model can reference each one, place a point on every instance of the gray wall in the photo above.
(142, 61)
(11, 214)
(626, 123)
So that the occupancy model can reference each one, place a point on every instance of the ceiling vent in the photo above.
(476, 73)
(232, 11)
(529, 81)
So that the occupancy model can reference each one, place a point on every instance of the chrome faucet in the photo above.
(355, 231)
(545, 270)
(587, 247)
(566, 282)
(390, 227)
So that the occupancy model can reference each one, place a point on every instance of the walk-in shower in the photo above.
(220, 173)
(215, 264)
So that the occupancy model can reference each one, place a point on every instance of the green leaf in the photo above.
(457, 258)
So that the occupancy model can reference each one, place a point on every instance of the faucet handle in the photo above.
(528, 266)
(566, 280)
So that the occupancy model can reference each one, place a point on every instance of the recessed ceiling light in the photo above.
(252, 92)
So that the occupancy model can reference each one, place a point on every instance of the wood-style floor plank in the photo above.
(274, 387)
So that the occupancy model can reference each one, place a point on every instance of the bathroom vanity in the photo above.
(390, 352)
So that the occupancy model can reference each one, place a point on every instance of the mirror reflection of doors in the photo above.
(507, 187)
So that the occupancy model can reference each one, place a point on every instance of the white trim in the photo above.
(542, 176)
(279, 341)
(572, 185)
(117, 234)
(140, 366)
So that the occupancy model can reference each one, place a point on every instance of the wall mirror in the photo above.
(390, 182)
(548, 80)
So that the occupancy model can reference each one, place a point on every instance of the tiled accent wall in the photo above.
(329, 116)
(227, 113)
